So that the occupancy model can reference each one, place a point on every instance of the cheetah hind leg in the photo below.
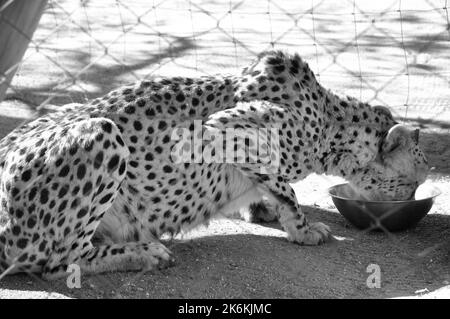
(127, 257)
(116, 257)
(76, 248)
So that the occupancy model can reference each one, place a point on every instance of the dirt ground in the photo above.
(232, 258)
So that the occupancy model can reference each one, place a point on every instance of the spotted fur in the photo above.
(104, 170)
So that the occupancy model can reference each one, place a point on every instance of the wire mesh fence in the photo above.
(391, 53)
(354, 46)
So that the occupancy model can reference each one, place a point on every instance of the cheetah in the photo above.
(98, 184)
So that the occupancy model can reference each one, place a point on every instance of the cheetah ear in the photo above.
(383, 110)
(399, 136)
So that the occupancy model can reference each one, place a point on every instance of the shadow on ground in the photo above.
(101, 79)
(249, 264)
(7, 124)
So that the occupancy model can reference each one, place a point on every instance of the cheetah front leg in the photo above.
(257, 118)
(290, 215)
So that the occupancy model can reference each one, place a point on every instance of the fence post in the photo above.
(18, 20)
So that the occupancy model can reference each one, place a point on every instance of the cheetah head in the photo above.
(390, 169)
(397, 170)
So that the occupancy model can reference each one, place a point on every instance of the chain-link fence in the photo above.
(391, 53)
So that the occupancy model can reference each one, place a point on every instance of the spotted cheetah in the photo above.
(98, 184)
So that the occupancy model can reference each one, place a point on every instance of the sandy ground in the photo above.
(232, 258)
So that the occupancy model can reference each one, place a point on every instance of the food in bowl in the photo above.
(388, 215)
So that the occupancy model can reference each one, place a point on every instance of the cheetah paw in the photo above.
(312, 234)
(157, 256)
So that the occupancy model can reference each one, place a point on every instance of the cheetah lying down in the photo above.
(112, 169)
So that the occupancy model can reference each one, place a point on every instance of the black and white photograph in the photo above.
(238, 151)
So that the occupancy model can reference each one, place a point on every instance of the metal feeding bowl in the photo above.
(391, 215)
